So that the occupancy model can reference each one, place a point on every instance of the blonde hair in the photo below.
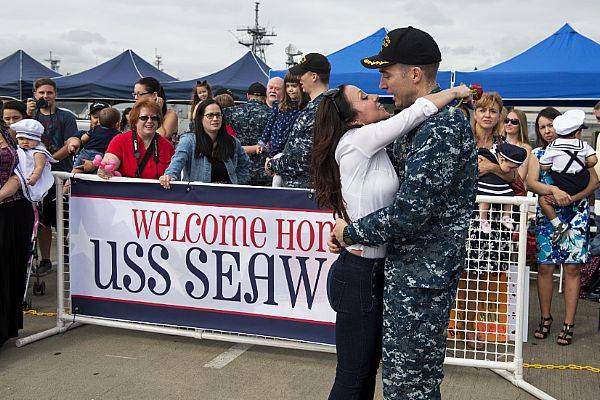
(523, 136)
(488, 100)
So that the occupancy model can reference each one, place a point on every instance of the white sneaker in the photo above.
(508, 222)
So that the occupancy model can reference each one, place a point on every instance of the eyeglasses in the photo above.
(213, 115)
(331, 93)
(154, 118)
(514, 122)
(136, 95)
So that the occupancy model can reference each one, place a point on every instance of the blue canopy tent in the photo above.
(237, 77)
(346, 66)
(563, 69)
(112, 80)
(18, 72)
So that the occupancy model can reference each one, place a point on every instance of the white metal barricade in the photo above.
(486, 327)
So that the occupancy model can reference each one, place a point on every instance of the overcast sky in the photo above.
(198, 37)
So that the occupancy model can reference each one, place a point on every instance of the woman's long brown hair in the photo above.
(331, 123)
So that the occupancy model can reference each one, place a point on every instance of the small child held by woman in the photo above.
(568, 159)
(33, 169)
(509, 157)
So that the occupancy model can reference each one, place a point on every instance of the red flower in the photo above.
(477, 91)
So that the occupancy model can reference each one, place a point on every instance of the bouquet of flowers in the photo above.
(476, 93)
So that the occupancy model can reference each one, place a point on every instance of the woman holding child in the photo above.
(572, 249)
(490, 232)
(16, 223)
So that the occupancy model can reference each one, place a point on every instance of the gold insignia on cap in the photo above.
(386, 42)
(303, 60)
(369, 62)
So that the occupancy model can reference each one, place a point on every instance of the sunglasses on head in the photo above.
(154, 118)
(511, 121)
(331, 93)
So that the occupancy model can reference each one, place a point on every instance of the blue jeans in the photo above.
(355, 292)
(85, 154)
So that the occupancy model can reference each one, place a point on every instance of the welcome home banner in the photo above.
(225, 258)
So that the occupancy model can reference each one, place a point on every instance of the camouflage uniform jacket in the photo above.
(426, 225)
(249, 121)
(294, 163)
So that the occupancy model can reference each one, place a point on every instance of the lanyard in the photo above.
(152, 149)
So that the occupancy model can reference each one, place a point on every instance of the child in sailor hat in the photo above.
(568, 159)
(33, 168)
(509, 157)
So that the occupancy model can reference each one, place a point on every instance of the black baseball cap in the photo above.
(257, 89)
(409, 46)
(97, 106)
(312, 62)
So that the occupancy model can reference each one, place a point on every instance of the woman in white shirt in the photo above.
(353, 176)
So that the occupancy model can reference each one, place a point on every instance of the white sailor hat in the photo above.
(29, 129)
(569, 122)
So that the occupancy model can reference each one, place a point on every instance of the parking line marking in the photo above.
(228, 356)
(115, 356)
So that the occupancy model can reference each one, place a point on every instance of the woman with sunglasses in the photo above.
(516, 132)
(353, 176)
(141, 152)
(149, 88)
(208, 154)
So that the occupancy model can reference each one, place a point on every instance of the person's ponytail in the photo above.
(331, 123)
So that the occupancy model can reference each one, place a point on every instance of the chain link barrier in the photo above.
(573, 367)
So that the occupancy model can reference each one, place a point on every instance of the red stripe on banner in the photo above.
(146, 303)
(92, 196)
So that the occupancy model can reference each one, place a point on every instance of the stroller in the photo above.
(39, 287)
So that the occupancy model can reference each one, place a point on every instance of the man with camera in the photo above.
(59, 126)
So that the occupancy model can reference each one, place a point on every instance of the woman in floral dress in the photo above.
(572, 250)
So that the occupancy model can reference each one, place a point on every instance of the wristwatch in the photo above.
(346, 236)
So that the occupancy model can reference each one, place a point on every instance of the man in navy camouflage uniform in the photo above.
(249, 121)
(294, 163)
(426, 225)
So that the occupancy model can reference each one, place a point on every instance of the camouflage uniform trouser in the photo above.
(414, 340)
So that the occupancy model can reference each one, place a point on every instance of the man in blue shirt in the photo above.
(59, 126)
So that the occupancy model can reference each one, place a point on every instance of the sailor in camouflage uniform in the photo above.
(293, 165)
(249, 121)
(426, 225)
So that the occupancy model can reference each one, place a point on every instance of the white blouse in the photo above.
(369, 181)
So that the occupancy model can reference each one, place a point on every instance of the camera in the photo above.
(41, 103)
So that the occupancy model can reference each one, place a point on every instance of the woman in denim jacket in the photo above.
(208, 154)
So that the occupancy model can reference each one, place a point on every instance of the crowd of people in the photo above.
(394, 183)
